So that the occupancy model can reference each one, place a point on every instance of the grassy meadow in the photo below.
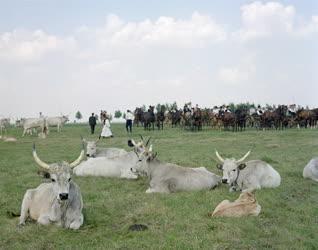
(288, 220)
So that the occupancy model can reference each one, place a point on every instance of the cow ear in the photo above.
(219, 166)
(131, 143)
(241, 166)
(44, 174)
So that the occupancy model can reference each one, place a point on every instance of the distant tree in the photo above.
(96, 117)
(78, 115)
(143, 107)
(124, 115)
(118, 114)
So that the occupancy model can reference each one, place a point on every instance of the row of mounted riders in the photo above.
(279, 118)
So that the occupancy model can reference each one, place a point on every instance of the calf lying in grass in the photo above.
(245, 205)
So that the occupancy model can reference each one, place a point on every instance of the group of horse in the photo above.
(280, 117)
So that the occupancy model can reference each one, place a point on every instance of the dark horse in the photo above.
(138, 116)
(149, 118)
(160, 117)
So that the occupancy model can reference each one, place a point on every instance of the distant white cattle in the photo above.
(119, 166)
(168, 177)
(248, 176)
(311, 169)
(57, 121)
(245, 205)
(29, 124)
(4, 124)
(59, 202)
(93, 151)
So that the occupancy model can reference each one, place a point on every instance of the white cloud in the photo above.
(198, 31)
(263, 20)
(21, 45)
(240, 74)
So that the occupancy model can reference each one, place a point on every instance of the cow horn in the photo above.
(148, 141)
(219, 156)
(141, 137)
(38, 160)
(244, 157)
(79, 159)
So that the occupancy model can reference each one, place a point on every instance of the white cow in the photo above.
(311, 169)
(29, 124)
(168, 177)
(57, 121)
(4, 124)
(59, 202)
(248, 176)
(111, 167)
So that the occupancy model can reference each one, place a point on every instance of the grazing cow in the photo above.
(248, 176)
(32, 123)
(4, 124)
(311, 169)
(245, 205)
(168, 177)
(93, 151)
(118, 167)
(59, 202)
(57, 121)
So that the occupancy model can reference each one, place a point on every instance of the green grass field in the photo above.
(288, 220)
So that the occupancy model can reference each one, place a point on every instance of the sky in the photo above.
(59, 57)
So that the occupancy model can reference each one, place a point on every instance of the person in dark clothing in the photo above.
(92, 123)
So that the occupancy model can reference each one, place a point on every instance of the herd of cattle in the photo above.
(33, 125)
(279, 117)
(60, 201)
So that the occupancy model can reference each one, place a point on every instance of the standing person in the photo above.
(129, 120)
(92, 123)
(106, 132)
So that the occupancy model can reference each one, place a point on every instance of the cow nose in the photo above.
(224, 180)
(63, 196)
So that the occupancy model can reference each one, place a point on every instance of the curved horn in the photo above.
(148, 141)
(79, 159)
(38, 160)
(219, 156)
(141, 137)
(244, 157)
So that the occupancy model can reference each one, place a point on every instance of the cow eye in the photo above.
(234, 170)
(69, 179)
(52, 180)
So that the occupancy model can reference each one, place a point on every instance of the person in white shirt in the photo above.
(129, 120)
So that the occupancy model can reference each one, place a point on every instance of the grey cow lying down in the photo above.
(248, 176)
(59, 202)
(168, 177)
(118, 167)
(311, 169)
(93, 151)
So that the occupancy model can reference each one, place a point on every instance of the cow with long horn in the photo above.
(247, 176)
(60, 201)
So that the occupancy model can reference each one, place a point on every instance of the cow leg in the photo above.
(44, 220)
(76, 223)
(27, 199)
